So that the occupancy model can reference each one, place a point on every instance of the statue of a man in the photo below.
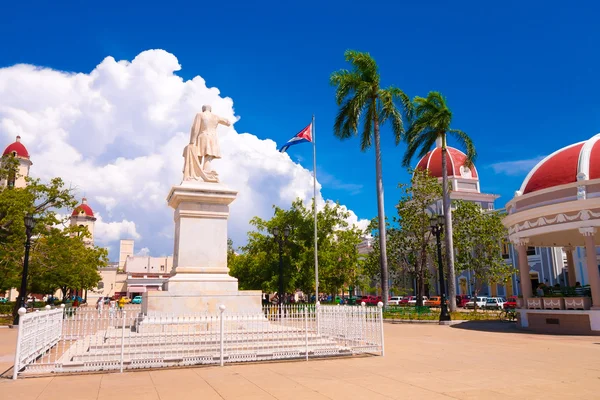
(203, 147)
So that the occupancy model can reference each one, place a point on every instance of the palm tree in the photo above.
(431, 122)
(360, 97)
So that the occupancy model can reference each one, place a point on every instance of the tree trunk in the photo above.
(381, 215)
(448, 229)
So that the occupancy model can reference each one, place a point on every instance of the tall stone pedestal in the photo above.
(200, 280)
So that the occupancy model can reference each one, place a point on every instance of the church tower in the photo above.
(18, 151)
(84, 216)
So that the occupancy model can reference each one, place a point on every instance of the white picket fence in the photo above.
(87, 339)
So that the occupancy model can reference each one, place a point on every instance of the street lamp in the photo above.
(29, 225)
(436, 223)
(281, 237)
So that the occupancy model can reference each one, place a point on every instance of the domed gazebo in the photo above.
(558, 205)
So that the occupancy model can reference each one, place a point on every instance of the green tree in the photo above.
(432, 120)
(478, 241)
(412, 244)
(38, 199)
(59, 258)
(361, 99)
(257, 264)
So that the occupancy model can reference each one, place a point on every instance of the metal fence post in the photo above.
(222, 333)
(306, 329)
(317, 312)
(123, 340)
(380, 306)
(22, 311)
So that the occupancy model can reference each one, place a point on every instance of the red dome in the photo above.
(16, 148)
(83, 207)
(455, 160)
(579, 161)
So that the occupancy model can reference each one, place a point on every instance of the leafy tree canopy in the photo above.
(257, 264)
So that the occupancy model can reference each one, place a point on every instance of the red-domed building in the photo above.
(463, 180)
(83, 215)
(558, 205)
(464, 185)
(19, 151)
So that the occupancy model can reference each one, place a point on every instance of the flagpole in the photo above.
(314, 140)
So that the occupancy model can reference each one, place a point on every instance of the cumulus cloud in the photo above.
(107, 232)
(117, 135)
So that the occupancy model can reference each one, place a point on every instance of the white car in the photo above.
(413, 300)
(479, 300)
(394, 300)
(494, 303)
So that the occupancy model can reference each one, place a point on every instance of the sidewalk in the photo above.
(421, 362)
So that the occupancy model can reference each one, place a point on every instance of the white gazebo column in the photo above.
(570, 266)
(523, 264)
(592, 264)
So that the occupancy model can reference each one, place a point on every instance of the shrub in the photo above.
(6, 309)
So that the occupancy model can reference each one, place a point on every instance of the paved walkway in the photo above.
(421, 362)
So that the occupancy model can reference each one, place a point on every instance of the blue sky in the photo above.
(520, 77)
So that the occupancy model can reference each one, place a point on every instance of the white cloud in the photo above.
(117, 134)
(144, 252)
(106, 232)
(516, 167)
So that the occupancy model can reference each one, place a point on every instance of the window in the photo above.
(162, 268)
(505, 250)
(531, 251)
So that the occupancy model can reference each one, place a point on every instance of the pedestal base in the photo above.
(178, 304)
(201, 282)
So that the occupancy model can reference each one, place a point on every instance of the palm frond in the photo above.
(467, 144)
(364, 64)
(420, 142)
(349, 114)
(367, 133)
(346, 82)
(389, 111)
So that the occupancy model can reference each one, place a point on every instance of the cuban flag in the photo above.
(304, 136)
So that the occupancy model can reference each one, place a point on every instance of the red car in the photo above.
(511, 302)
(462, 300)
(369, 300)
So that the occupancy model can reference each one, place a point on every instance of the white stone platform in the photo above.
(200, 282)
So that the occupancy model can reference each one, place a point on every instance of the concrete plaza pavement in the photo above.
(476, 360)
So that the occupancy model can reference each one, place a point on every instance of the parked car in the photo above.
(511, 302)
(494, 303)
(413, 300)
(479, 300)
(404, 301)
(462, 300)
(433, 301)
(3, 300)
(137, 300)
(369, 300)
(395, 300)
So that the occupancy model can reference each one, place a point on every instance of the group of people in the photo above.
(112, 304)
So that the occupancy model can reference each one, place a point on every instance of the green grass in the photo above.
(427, 314)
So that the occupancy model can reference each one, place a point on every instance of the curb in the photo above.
(414, 321)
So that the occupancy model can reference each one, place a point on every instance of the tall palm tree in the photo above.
(431, 122)
(360, 97)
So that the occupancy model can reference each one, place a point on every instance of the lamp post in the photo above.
(281, 237)
(22, 300)
(437, 225)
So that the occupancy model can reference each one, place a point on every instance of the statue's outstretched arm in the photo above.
(225, 122)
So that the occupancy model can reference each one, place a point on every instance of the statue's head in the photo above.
(206, 107)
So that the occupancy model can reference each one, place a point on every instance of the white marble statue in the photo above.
(203, 147)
